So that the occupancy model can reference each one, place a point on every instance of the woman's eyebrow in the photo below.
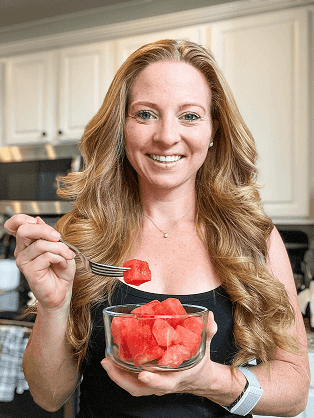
(144, 103)
(191, 104)
(156, 106)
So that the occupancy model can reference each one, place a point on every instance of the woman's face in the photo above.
(168, 127)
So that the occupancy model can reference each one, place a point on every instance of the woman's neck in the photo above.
(168, 205)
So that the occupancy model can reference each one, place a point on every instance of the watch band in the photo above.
(249, 397)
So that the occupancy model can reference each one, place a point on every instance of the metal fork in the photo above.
(97, 268)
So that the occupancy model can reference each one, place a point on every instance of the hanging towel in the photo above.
(12, 347)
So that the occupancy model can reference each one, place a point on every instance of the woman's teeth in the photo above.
(165, 159)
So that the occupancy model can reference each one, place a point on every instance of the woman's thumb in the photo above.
(211, 326)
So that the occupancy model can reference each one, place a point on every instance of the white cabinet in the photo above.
(265, 59)
(2, 84)
(127, 46)
(85, 75)
(51, 96)
(29, 97)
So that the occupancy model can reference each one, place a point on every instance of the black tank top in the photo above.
(101, 397)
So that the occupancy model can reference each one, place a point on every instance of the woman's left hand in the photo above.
(162, 383)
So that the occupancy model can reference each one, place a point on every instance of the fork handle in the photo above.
(83, 259)
(71, 246)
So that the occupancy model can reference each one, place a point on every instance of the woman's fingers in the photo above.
(39, 220)
(28, 233)
(13, 224)
(126, 380)
(211, 327)
(41, 255)
(161, 383)
(34, 270)
(39, 247)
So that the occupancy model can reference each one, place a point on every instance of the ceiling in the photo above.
(14, 12)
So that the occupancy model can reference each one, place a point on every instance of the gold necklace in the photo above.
(167, 233)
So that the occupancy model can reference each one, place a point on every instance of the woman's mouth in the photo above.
(165, 158)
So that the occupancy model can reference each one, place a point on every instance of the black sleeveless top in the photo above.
(100, 397)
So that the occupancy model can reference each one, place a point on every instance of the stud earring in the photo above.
(211, 144)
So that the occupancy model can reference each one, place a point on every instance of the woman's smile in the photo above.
(164, 159)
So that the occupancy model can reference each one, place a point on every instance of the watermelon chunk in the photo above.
(139, 272)
(143, 346)
(120, 327)
(124, 351)
(174, 356)
(171, 306)
(146, 310)
(194, 324)
(188, 339)
(163, 332)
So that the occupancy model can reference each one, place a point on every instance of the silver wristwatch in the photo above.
(251, 394)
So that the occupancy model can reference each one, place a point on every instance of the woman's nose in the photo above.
(167, 132)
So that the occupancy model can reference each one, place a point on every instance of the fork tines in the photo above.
(104, 270)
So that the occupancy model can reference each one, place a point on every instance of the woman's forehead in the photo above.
(163, 79)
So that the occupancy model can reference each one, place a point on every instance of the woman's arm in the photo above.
(48, 364)
(49, 268)
(285, 389)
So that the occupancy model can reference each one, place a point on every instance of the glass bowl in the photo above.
(138, 341)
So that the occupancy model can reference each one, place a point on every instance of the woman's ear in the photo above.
(215, 128)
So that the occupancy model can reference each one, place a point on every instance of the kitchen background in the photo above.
(57, 60)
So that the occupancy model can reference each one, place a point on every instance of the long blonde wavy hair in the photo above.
(230, 218)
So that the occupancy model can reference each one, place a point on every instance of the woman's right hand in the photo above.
(47, 264)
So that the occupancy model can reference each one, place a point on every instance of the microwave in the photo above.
(30, 176)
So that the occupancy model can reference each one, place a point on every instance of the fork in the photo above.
(97, 268)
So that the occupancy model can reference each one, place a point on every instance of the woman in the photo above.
(169, 178)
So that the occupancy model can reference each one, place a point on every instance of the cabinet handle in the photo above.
(60, 132)
(44, 133)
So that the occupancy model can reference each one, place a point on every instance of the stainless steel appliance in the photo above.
(297, 246)
(29, 177)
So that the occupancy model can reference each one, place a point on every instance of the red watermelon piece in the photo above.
(124, 351)
(139, 272)
(163, 332)
(194, 324)
(143, 346)
(174, 356)
(120, 327)
(188, 339)
(171, 306)
(146, 309)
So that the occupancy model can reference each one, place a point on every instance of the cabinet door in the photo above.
(126, 46)
(2, 66)
(265, 61)
(85, 75)
(30, 98)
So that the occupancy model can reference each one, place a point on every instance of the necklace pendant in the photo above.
(166, 235)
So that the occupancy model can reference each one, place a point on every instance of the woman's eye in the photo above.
(144, 115)
(190, 117)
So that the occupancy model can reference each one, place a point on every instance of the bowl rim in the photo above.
(106, 311)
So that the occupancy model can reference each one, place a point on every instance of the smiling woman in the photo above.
(167, 156)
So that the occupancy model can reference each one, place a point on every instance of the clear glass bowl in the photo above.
(137, 342)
